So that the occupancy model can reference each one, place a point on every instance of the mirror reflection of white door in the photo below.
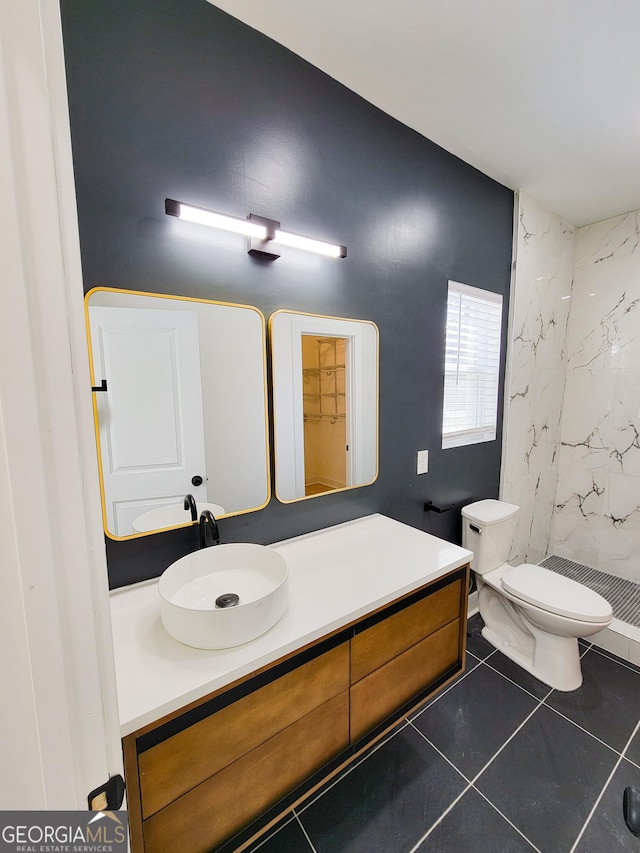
(151, 425)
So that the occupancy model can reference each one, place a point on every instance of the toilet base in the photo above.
(552, 659)
(554, 663)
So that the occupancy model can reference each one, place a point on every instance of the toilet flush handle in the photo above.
(475, 529)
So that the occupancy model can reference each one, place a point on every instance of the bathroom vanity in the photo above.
(376, 623)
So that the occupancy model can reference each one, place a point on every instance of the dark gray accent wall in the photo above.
(180, 100)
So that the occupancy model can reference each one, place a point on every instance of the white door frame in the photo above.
(59, 694)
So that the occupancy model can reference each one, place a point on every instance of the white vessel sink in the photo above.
(171, 516)
(190, 587)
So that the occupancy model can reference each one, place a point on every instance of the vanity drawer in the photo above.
(381, 643)
(378, 695)
(180, 763)
(204, 817)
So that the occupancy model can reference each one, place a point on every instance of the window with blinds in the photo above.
(472, 364)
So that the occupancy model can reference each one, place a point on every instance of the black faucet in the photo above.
(189, 503)
(207, 520)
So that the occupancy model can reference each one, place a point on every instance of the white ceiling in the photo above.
(542, 95)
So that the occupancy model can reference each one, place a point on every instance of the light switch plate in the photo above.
(423, 462)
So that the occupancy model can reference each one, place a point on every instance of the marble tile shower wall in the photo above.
(545, 252)
(597, 515)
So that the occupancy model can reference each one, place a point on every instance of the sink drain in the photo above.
(228, 599)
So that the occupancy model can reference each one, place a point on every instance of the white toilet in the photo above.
(532, 615)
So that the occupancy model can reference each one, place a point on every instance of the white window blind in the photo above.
(472, 363)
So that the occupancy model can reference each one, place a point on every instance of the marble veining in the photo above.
(517, 394)
(541, 295)
(582, 500)
(609, 239)
(591, 442)
(539, 334)
(571, 457)
(596, 520)
(626, 433)
(604, 343)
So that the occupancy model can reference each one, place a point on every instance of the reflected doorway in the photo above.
(324, 374)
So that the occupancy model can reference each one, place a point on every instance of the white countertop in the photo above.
(336, 576)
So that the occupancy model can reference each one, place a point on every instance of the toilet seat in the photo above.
(555, 593)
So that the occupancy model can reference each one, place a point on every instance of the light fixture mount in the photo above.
(265, 235)
(267, 248)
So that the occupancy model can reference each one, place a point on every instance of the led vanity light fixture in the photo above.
(265, 235)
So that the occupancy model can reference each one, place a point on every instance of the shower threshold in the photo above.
(622, 637)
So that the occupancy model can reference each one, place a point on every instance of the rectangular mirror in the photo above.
(325, 400)
(184, 409)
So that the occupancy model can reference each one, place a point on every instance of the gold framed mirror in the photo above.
(325, 402)
(180, 408)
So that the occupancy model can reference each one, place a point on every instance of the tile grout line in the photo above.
(340, 776)
(306, 834)
(471, 784)
(604, 788)
(631, 737)
(508, 740)
(605, 653)
(442, 693)
(493, 806)
(441, 754)
(543, 701)
(515, 683)
(495, 755)
(475, 778)
(420, 841)
(451, 805)
(407, 722)
(582, 729)
(631, 761)
(295, 815)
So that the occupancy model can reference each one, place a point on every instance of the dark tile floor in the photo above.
(497, 762)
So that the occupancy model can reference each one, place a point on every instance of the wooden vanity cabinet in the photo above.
(197, 777)
(392, 661)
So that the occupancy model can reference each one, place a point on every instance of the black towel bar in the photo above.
(431, 507)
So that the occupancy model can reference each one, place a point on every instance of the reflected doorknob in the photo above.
(197, 480)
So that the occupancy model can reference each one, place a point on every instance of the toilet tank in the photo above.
(487, 530)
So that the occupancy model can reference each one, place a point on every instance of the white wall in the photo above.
(597, 516)
(536, 364)
(58, 724)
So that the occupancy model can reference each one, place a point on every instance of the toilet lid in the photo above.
(489, 512)
(555, 593)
